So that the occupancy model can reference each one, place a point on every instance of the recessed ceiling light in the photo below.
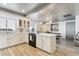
(23, 10)
(4, 3)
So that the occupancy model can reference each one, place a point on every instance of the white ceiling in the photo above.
(57, 11)
(18, 7)
(62, 9)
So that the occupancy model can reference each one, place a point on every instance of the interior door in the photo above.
(70, 30)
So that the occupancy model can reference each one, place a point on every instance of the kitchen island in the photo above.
(46, 42)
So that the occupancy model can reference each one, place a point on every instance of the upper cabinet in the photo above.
(21, 23)
(24, 23)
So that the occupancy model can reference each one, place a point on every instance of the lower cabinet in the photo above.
(3, 41)
(23, 38)
(15, 39)
(46, 42)
(39, 41)
(26, 38)
(11, 39)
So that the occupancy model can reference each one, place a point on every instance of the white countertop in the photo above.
(46, 34)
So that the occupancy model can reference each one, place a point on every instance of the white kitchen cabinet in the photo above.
(26, 38)
(3, 41)
(22, 37)
(46, 42)
(12, 39)
(39, 41)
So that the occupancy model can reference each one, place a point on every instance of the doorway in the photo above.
(70, 30)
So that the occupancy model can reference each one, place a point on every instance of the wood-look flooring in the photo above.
(26, 50)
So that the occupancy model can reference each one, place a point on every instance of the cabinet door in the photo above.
(46, 44)
(39, 41)
(12, 40)
(53, 43)
(3, 41)
(21, 38)
(26, 38)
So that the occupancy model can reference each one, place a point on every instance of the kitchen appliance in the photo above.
(32, 39)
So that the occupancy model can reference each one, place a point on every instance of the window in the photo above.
(11, 24)
(55, 27)
(7, 24)
(2, 23)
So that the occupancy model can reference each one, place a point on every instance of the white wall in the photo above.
(33, 24)
(62, 28)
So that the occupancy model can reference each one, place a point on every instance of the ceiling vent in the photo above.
(68, 15)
